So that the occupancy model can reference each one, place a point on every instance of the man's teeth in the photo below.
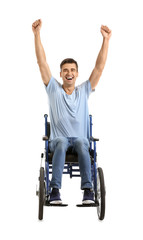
(69, 78)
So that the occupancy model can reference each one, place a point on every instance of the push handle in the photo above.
(45, 116)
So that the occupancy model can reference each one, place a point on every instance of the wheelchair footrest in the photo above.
(55, 205)
(86, 205)
(96, 204)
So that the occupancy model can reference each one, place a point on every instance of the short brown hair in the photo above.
(68, 60)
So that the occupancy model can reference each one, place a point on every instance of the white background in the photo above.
(71, 29)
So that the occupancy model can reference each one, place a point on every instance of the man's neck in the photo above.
(68, 90)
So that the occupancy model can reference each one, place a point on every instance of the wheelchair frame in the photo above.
(46, 170)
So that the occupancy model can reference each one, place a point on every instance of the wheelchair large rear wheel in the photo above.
(100, 194)
(41, 193)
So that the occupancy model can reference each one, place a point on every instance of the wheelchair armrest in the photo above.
(94, 139)
(45, 138)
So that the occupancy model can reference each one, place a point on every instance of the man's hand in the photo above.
(36, 26)
(106, 32)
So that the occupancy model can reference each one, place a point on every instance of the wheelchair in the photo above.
(70, 167)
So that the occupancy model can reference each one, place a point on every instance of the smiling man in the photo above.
(69, 73)
(69, 116)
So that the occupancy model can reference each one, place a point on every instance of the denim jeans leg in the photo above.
(81, 146)
(59, 147)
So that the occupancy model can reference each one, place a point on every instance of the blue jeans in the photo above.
(81, 146)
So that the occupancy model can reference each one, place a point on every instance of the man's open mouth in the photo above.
(69, 78)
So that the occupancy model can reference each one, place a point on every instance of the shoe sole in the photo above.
(88, 202)
(56, 202)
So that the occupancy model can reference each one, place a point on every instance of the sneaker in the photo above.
(55, 196)
(88, 197)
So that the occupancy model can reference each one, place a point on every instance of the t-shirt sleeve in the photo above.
(52, 86)
(86, 86)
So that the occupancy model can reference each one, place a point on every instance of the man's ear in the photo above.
(60, 74)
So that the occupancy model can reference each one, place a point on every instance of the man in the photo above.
(69, 117)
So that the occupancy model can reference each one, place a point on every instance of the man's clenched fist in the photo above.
(36, 26)
(106, 32)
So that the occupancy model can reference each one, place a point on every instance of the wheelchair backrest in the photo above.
(48, 129)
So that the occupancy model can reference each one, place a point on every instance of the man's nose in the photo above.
(69, 72)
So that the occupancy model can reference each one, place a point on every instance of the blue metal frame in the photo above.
(90, 117)
(69, 166)
(46, 153)
(95, 170)
(94, 166)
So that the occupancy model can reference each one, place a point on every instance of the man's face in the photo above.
(69, 74)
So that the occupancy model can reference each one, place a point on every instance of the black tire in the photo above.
(100, 194)
(41, 193)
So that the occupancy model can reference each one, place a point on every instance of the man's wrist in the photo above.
(37, 34)
(105, 41)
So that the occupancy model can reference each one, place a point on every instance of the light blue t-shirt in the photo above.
(69, 116)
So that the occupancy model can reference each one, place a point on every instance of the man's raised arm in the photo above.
(101, 59)
(40, 54)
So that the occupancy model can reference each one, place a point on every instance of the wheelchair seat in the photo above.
(70, 156)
